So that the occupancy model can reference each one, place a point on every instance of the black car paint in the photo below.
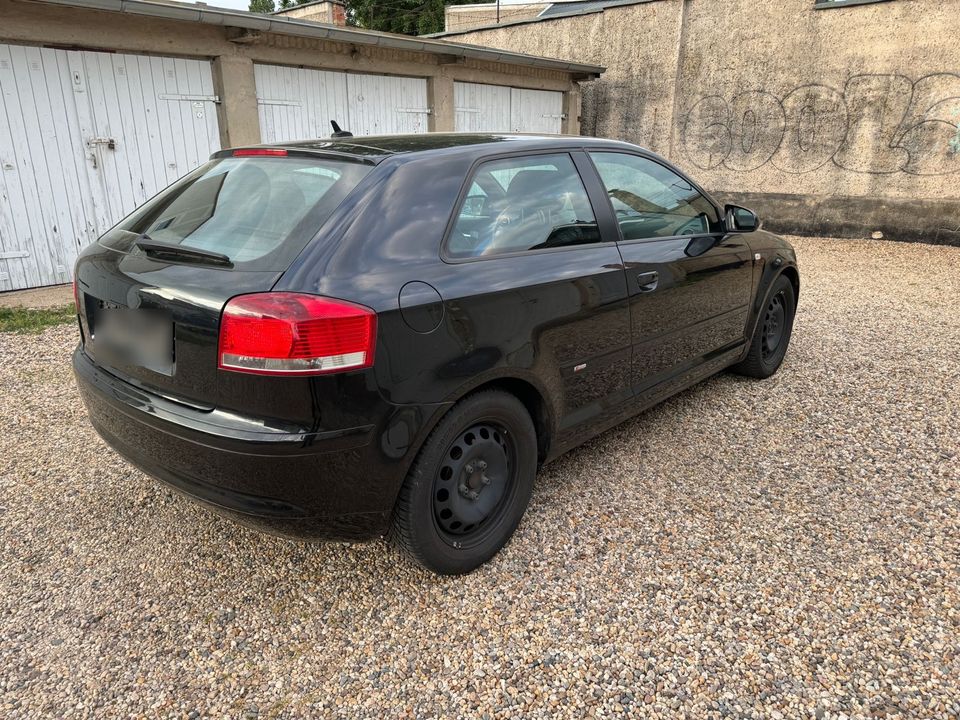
(578, 333)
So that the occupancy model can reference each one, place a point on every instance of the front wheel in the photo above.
(772, 336)
(469, 486)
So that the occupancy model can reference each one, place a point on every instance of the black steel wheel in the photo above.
(469, 486)
(774, 325)
(473, 482)
(772, 335)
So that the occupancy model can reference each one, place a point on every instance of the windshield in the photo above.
(258, 211)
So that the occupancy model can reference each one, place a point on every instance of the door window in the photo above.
(522, 204)
(651, 201)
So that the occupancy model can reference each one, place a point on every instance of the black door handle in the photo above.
(648, 281)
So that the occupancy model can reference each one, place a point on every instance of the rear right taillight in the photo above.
(282, 333)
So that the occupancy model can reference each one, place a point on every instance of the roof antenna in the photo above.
(337, 132)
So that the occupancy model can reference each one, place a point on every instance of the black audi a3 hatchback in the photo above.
(374, 336)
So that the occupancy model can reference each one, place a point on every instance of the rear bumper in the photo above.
(327, 485)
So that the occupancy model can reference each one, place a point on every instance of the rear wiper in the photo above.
(179, 252)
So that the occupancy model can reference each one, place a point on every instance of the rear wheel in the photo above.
(772, 336)
(469, 486)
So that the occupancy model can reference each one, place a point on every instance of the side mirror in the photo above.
(740, 219)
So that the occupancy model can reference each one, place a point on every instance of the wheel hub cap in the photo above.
(773, 325)
(472, 480)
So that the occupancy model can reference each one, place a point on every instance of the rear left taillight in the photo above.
(284, 333)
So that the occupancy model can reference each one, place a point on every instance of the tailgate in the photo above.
(188, 299)
(152, 289)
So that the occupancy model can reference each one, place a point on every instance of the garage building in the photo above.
(105, 102)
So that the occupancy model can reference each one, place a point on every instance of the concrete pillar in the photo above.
(571, 111)
(233, 81)
(440, 96)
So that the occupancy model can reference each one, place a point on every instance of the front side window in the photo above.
(522, 204)
(651, 201)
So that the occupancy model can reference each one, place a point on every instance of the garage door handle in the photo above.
(108, 141)
(648, 281)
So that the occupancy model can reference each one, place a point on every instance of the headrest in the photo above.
(530, 182)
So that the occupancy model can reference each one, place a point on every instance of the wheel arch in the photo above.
(535, 403)
(791, 272)
(527, 389)
(763, 292)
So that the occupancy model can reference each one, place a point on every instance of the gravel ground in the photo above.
(45, 297)
(781, 549)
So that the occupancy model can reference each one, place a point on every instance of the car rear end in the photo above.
(261, 404)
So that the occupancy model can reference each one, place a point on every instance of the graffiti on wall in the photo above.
(878, 124)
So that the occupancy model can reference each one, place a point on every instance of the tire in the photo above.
(469, 486)
(772, 335)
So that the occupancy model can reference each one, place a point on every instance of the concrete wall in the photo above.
(234, 52)
(840, 120)
(636, 97)
(331, 13)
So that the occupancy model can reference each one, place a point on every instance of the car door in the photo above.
(535, 285)
(689, 281)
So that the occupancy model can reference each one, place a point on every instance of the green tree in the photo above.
(409, 17)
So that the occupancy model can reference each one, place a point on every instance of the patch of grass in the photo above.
(26, 320)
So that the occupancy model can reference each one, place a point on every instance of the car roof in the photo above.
(378, 147)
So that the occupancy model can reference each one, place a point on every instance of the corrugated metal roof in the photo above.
(557, 10)
(566, 8)
(201, 13)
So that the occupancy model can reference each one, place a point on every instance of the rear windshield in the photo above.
(258, 211)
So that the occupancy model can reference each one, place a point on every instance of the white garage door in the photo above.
(85, 137)
(299, 103)
(494, 108)
(481, 108)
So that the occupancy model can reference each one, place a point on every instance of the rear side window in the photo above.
(258, 211)
(523, 204)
